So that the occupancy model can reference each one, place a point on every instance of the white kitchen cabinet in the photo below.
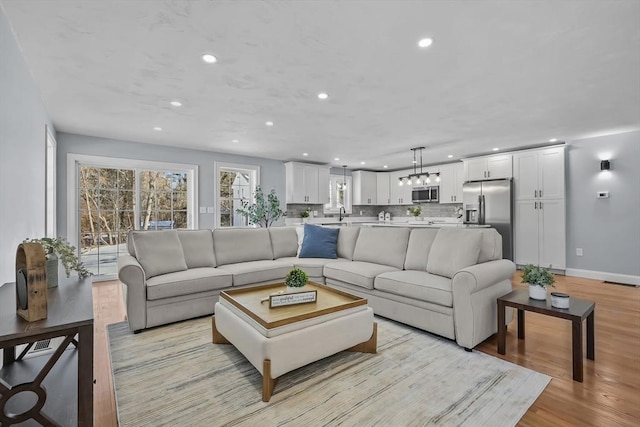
(451, 180)
(540, 233)
(490, 167)
(382, 189)
(303, 183)
(399, 194)
(539, 174)
(364, 188)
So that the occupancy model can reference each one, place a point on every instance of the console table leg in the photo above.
(502, 329)
(8, 355)
(591, 336)
(576, 341)
(85, 375)
(520, 324)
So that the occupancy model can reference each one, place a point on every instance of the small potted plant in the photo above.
(415, 211)
(59, 248)
(539, 279)
(296, 279)
(305, 215)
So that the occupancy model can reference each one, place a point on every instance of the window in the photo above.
(50, 192)
(234, 183)
(114, 196)
(339, 194)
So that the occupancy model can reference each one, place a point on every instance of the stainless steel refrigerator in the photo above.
(491, 203)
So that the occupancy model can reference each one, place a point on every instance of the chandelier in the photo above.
(418, 178)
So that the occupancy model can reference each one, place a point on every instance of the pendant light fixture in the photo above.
(418, 178)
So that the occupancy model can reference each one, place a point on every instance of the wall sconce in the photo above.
(605, 165)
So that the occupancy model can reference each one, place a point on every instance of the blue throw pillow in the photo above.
(319, 242)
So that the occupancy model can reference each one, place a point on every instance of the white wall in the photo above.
(22, 153)
(271, 171)
(607, 230)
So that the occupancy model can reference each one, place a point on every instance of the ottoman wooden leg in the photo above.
(268, 383)
(370, 346)
(217, 337)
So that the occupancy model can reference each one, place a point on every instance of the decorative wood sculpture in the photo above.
(31, 282)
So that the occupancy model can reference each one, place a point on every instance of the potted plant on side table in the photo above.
(58, 248)
(296, 279)
(539, 279)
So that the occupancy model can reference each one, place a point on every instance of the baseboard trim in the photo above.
(626, 279)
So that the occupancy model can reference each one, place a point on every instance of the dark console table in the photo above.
(578, 311)
(42, 388)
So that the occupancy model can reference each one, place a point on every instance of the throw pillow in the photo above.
(319, 242)
(159, 252)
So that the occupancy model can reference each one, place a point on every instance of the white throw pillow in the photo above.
(300, 233)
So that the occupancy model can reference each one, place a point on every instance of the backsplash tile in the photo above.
(428, 210)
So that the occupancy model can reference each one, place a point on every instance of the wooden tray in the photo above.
(329, 301)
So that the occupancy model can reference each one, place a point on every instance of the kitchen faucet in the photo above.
(342, 211)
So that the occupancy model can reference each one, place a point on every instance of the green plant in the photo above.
(265, 211)
(305, 214)
(538, 276)
(296, 278)
(415, 210)
(60, 247)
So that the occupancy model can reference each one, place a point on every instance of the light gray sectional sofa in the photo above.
(444, 281)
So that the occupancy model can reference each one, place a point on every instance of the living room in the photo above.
(589, 89)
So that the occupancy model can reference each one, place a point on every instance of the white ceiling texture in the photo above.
(501, 74)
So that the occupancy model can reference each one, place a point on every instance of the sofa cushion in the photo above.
(382, 245)
(420, 241)
(418, 285)
(490, 245)
(355, 272)
(234, 245)
(187, 282)
(249, 272)
(312, 266)
(284, 241)
(452, 250)
(319, 242)
(347, 241)
(159, 252)
(197, 246)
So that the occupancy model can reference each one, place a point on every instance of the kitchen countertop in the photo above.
(422, 224)
(432, 222)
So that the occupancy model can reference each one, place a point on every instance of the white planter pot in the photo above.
(537, 292)
(291, 289)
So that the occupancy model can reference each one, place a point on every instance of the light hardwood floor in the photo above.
(609, 395)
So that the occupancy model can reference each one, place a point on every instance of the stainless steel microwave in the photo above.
(426, 194)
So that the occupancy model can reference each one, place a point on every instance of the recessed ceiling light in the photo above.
(305, 154)
(450, 156)
(336, 159)
(209, 59)
(425, 42)
(553, 140)
(158, 128)
(176, 103)
(385, 166)
(496, 149)
(235, 141)
(323, 95)
(268, 123)
(362, 163)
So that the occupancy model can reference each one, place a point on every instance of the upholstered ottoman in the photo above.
(291, 338)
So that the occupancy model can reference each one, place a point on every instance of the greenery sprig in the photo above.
(265, 211)
(296, 278)
(540, 276)
(60, 247)
(415, 210)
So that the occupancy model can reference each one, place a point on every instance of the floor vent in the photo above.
(41, 345)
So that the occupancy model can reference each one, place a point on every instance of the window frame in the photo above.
(254, 172)
(333, 180)
(50, 185)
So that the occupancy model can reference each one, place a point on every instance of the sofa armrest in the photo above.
(475, 293)
(131, 273)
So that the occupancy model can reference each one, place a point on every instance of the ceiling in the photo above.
(499, 74)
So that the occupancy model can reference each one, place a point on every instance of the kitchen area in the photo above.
(520, 194)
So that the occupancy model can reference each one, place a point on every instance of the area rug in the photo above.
(173, 375)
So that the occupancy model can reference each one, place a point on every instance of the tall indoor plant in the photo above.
(265, 211)
(58, 248)
(539, 279)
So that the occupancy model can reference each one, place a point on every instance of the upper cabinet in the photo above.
(365, 186)
(382, 189)
(451, 180)
(399, 194)
(307, 183)
(490, 167)
(539, 174)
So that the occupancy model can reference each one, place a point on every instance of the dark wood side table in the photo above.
(578, 311)
(70, 313)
